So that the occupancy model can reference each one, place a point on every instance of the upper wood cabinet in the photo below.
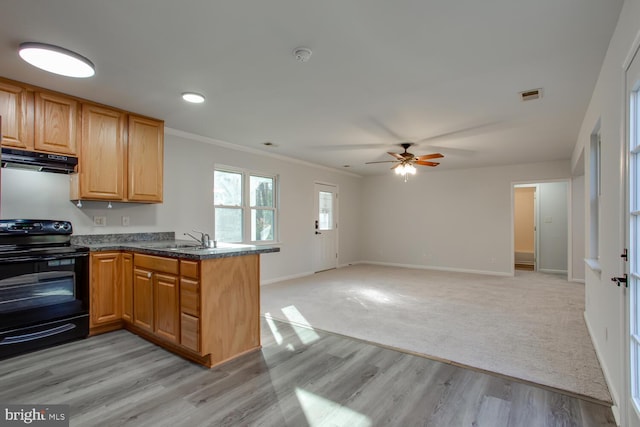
(15, 111)
(102, 153)
(145, 159)
(118, 162)
(120, 155)
(57, 121)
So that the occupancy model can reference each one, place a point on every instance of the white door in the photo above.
(633, 243)
(325, 227)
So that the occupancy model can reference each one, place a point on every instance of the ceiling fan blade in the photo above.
(430, 156)
(423, 163)
(461, 133)
(393, 167)
(384, 161)
(396, 155)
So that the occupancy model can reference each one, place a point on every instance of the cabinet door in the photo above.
(166, 307)
(56, 123)
(145, 159)
(14, 110)
(127, 287)
(102, 154)
(143, 299)
(106, 277)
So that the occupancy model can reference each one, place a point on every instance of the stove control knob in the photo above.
(56, 225)
(66, 226)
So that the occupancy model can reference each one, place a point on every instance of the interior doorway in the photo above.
(541, 227)
(525, 227)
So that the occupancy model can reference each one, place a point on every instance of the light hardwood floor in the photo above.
(300, 378)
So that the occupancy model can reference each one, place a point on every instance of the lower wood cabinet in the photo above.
(165, 307)
(127, 287)
(205, 310)
(156, 296)
(105, 309)
(143, 299)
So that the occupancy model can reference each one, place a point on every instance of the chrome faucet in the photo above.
(205, 239)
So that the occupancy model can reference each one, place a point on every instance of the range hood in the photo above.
(43, 162)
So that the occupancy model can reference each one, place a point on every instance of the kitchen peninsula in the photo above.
(200, 303)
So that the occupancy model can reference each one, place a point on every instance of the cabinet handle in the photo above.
(149, 275)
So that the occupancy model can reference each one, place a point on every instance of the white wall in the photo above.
(578, 227)
(188, 201)
(554, 231)
(447, 219)
(604, 301)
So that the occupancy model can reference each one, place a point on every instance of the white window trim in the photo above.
(246, 207)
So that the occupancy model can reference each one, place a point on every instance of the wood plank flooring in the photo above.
(300, 378)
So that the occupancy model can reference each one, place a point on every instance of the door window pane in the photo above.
(228, 225)
(262, 224)
(325, 214)
(261, 191)
(227, 188)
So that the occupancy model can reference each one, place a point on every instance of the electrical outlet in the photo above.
(100, 221)
(125, 221)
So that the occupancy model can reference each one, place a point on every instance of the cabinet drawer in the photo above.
(190, 296)
(190, 332)
(189, 269)
(156, 263)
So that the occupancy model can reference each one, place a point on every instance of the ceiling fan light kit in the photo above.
(406, 161)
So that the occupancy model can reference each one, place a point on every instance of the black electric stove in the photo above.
(44, 285)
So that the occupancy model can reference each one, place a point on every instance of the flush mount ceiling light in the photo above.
(194, 98)
(57, 60)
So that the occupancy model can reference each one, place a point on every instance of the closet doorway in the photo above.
(525, 227)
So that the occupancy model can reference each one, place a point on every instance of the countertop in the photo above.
(163, 248)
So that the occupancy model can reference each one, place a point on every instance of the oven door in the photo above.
(42, 288)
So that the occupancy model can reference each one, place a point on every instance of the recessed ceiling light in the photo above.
(56, 59)
(193, 97)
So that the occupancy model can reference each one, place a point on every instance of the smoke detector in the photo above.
(302, 54)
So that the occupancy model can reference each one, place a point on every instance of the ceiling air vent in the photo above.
(530, 95)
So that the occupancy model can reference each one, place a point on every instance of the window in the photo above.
(595, 193)
(245, 206)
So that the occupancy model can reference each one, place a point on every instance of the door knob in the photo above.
(620, 280)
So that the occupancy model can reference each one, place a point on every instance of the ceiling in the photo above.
(446, 74)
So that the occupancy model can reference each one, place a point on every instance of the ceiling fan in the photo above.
(406, 161)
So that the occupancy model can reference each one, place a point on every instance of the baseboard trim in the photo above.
(614, 396)
(552, 271)
(437, 268)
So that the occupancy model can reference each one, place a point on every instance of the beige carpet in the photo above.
(530, 326)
